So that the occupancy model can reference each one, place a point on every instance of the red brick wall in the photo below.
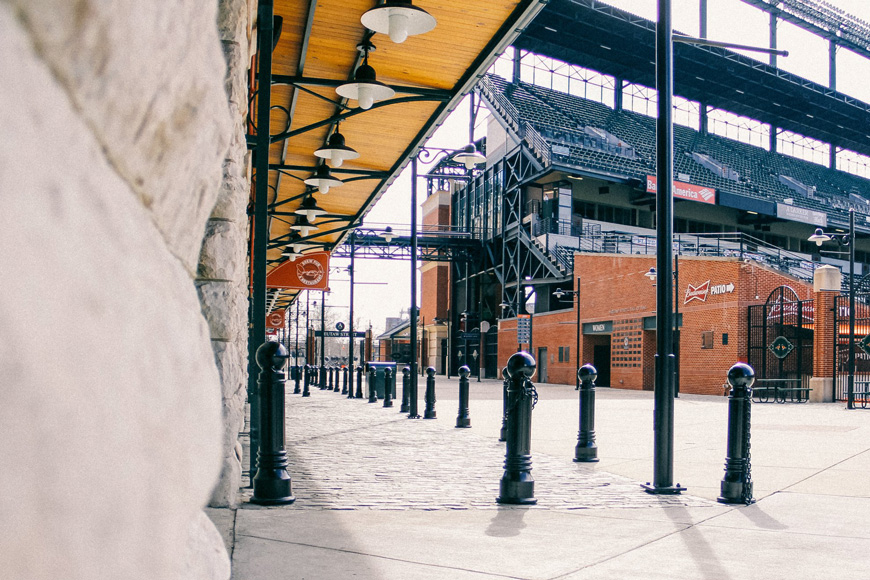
(823, 341)
(614, 288)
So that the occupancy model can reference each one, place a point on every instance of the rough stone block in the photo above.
(232, 363)
(224, 308)
(223, 252)
(147, 78)
(207, 557)
(107, 370)
(232, 201)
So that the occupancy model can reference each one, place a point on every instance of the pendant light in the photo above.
(365, 88)
(388, 234)
(470, 156)
(335, 151)
(323, 179)
(399, 19)
(309, 208)
(303, 226)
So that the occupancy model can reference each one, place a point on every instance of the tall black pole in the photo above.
(260, 232)
(677, 335)
(577, 345)
(351, 337)
(663, 414)
(412, 413)
(323, 340)
(850, 396)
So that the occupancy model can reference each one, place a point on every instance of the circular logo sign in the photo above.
(339, 326)
(275, 319)
(310, 272)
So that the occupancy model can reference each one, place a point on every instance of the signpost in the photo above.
(524, 329)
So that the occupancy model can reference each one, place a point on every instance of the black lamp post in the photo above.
(470, 157)
(652, 275)
(574, 293)
(847, 240)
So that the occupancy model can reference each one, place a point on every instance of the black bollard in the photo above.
(388, 395)
(406, 392)
(516, 485)
(737, 484)
(586, 450)
(359, 389)
(333, 380)
(272, 484)
(429, 413)
(297, 370)
(462, 419)
(373, 392)
(337, 384)
(344, 382)
(306, 381)
(504, 402)
(321, 371)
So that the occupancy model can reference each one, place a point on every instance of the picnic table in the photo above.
(781, 390)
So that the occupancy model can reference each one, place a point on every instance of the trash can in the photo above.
(379, 367)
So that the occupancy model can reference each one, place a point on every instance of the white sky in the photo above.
(728, 20)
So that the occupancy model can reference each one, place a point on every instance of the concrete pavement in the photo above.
(380, 496)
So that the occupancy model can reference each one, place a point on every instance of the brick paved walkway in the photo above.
(349, 454)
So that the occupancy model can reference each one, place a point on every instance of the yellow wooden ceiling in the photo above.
(468, 36)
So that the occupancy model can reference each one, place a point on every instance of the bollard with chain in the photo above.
(586, 450)
(406, 392)
(462, 418)
(736, 486)
(359, 389)
(373, 392)
(306, 381)
(429, 413)
(388, 398)
(272, 485)
(297, 370)
(517, 485)
(344, 382)
(502, 436)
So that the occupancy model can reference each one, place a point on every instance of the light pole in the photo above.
(652, 275)
(351, 337)
(848, 240)
(575, 294)
(469, 156)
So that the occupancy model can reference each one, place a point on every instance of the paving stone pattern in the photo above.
(348, 454)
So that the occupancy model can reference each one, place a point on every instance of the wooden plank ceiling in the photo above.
(319, 40)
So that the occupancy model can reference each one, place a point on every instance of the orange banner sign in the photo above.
(685, 190)
(275, 319)
(307, 272)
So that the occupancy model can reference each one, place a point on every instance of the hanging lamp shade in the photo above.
(819, 237)
(303, 226)
(335, 151)
(323, 179)
(399, 19)
(470, 156)
(388, 234)
(309, 208)
(365, 88)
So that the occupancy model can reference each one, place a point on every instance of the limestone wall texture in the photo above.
(116, 131)
(222, 272)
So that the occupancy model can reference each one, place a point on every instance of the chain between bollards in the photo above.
(406, 392)
(517, 485)
(429, 413)
(272, 485)
(736, 486)
(586, 450)
(462, 418)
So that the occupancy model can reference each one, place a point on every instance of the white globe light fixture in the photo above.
(323, 179)
(365, 88)
(470, 156)
(335, 151)
(399, 19)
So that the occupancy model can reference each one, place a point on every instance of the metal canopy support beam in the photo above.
(412, 411)
(257, 333)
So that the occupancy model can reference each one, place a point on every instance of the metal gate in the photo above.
(861, 346)
(781, 337)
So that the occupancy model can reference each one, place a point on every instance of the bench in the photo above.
(861, 393)
(782, 390)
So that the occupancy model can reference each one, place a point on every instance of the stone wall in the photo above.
(222, 263)
(116, 129)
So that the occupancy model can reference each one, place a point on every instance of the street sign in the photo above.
(338, 334)
(524, 329)
(471, 335)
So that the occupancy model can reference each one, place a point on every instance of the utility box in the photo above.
(380, 367)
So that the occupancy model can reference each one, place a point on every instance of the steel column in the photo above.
(350, 323)
(412, 413)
